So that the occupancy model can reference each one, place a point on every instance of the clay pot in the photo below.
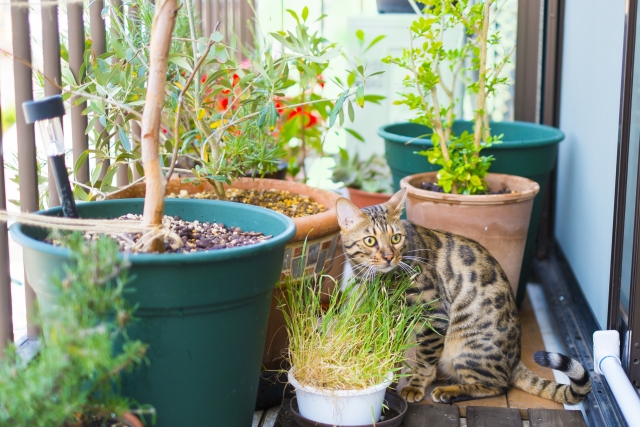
(362, 199)
(498, 222)
(323, 250)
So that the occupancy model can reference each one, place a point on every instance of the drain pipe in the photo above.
(606, 350)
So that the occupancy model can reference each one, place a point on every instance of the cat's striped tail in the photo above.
(570, 394)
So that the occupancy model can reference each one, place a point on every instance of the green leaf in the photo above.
(350, 111)
(79, 162)
(124, 140)
(351, 79)
(360, 96)
(305, 13)
(180, 60)
(374, 42)
(355, 134)
(360, 36)
(295, 15)
(216, 36)
(337, 108)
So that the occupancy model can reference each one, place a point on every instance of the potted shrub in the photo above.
(525, 149)
(227, 119)
(461, 197)
(368, 181)
(71, 381)
(203, 313)
(345, 355)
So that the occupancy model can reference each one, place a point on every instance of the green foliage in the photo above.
(372, 175)
(229, 117)
(357, 340)
(463, 168)
(78, 364)
(8, 117)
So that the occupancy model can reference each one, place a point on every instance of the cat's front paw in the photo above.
(442, 395)
(412, 394)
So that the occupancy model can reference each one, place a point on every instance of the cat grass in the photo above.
(358, 340)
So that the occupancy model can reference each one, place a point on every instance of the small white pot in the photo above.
(340, 407)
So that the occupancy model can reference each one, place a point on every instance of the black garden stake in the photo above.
(47, 113)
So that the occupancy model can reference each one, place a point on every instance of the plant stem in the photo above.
(162, 29)
(478, 126)
(176, 125)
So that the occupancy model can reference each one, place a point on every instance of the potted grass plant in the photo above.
(368, 181)
(524, 149)
(344, 356)
(72, 379)
(456, 192)
(202, 311)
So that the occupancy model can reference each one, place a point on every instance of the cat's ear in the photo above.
(348, 214)
(395, 205)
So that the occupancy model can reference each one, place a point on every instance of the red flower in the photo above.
(222, 104)
(308, 119)
(321, 81)
(203, 78)
(236, 80)
(164, 130)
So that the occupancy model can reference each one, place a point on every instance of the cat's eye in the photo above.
(395, 239)
(369, 241)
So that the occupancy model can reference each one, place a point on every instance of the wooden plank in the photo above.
(531, 342)
(479, 416)
(257, 417)
(432, 416)
(555, 418)
(270, 417)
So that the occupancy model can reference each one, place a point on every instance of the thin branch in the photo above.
(482, 71)
(176, 125)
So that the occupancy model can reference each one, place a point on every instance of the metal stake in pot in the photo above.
(47, 112)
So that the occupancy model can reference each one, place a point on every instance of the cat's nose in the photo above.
(387, 257)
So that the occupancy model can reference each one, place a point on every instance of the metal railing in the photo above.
(232, 15)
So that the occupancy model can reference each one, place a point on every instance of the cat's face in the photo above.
(374, 237)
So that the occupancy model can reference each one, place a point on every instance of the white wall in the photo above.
(589, 109)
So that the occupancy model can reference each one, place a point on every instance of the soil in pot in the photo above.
(285, 202)
(432, 186)
(127, 420)
(196, 236)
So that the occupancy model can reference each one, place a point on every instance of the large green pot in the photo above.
(527, 150)
(204, 315)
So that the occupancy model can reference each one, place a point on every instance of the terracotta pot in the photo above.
(323, 250)
(362, 199)
(498, 222)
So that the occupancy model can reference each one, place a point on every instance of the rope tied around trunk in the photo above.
(100, 226)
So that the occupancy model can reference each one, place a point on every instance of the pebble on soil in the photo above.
(196, 236)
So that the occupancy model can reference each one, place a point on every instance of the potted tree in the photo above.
(346, 354)
(453, 147)
(526, 149)
(368, 181)
(71, 380)
(223, 119)
(203, 313)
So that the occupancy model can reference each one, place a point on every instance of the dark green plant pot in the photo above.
(527, 150)
(204, 315)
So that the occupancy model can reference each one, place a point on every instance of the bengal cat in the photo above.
(477, 344)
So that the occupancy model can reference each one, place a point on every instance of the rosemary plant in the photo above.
(83, 351)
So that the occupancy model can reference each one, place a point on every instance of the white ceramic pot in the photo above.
(340, 407)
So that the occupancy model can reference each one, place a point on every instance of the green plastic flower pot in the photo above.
(204, 315)
(527, 149)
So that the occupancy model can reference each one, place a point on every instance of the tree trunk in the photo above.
(163, 23)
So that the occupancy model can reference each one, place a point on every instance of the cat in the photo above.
(477, 344)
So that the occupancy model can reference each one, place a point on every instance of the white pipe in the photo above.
(606, 349)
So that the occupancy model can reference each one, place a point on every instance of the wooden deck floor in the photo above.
(516, 408)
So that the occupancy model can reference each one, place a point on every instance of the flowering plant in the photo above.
(220, 116)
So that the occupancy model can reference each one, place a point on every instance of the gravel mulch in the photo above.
(196, 236)
(289, 204)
